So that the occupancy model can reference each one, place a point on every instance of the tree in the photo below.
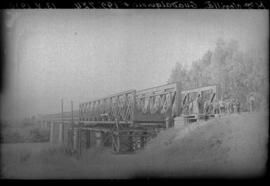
(238, 73)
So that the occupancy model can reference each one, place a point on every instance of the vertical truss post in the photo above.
(133, 106)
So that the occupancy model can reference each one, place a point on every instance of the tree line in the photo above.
(238, 73)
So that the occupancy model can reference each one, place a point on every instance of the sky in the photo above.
(81, 55)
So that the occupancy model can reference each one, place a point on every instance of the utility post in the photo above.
(51, 131)
(72, 128)
(61, 125)
(72, 113)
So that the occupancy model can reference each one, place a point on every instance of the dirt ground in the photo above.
(231, 146)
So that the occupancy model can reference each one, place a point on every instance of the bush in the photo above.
(15, 135)
(37, 135)
(10, 136)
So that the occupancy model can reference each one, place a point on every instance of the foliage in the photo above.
(11, 136)
(23, 135)
(37, 135)
(238, 73)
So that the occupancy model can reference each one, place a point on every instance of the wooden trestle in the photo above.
(121, 137)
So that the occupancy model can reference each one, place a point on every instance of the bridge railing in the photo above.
(147, 105)
(118, 106)
(157, 103)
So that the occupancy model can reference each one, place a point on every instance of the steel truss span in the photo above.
(127, 120)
